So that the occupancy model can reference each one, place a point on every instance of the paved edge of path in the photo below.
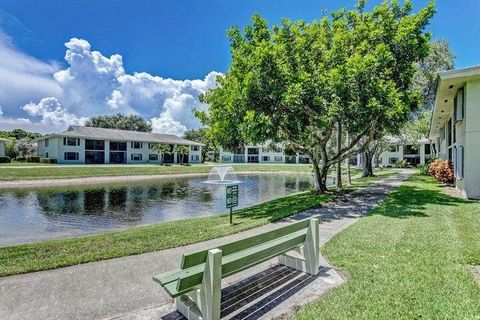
(122, 288)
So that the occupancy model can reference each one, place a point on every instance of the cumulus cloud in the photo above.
(52, 113)
(94, 84)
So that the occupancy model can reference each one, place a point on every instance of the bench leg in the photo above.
(204, 303)
(310, 252)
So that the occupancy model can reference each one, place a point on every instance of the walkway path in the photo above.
(122, 288)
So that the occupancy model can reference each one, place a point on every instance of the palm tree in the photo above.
(162, 149)
(182, 151)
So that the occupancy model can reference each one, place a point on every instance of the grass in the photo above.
(407, 260)
(71, 251)
(10, 172)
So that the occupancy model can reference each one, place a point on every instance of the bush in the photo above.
(20, 159)
(401, 163)
(442, 171)
(33, 159)
(424, 168)
(4, 159)
(47, 160)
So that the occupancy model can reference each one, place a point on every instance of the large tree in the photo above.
(294, 82)
(120, 121)
(201, 135)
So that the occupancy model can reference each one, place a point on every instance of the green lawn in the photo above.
(8, 172)
(59, 253)
(409, 259)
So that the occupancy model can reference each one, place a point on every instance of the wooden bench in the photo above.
(196, 285)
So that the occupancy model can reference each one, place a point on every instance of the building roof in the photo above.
(121, 135)
(448, 84)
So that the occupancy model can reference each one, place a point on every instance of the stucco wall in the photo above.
(472, 140)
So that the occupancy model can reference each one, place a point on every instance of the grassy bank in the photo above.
(59, 253)
(407, 260)
(9, 172)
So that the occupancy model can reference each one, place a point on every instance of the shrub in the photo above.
(424, 168)
(442, 171)
(33, 159)
(401, 163)
(4, 159)
(47, 160)
(20, 159)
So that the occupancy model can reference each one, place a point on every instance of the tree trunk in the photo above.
(349, 175)
(339, 146)
(367, 166)
(320, 176)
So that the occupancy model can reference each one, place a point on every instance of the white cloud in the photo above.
(52, 113)
(1, 112)
(22, 77)
(95, 84)
(166, 124)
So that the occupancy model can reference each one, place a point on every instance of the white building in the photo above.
(91, 145)
(414, 154)
(455, 126)
(3, 142)
(261, 154)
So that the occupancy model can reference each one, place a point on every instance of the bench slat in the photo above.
(195, 258)
(240, 261)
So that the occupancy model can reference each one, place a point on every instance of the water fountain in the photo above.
(222, 175)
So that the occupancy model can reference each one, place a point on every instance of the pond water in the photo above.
(40, 214)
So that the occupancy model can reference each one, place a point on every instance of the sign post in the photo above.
(231, 199)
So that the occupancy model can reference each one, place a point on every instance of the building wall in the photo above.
(471, 183)
(56, 150)
(265, 155)
(385, 156)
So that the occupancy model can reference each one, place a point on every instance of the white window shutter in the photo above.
(459, 107)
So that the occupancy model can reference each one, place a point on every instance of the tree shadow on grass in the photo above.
(411, 201)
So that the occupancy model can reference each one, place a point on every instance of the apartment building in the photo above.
(261, 154)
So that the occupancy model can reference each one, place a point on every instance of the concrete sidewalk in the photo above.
(122, 288)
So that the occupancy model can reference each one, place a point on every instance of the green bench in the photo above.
(196, 285)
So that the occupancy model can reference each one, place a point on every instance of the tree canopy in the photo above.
(295, 81)
(120, 121)
(19, 134)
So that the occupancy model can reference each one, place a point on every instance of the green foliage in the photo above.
(4, 159)
(120, 121)
(401, 163)
(33, 159)
(24, 147)
(18, 134)
(423, 169)
(181, 150)
(293, 82)
(162, 149)
(201, 135)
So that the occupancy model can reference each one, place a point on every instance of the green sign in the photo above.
(232, 196)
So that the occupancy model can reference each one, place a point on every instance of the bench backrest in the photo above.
(196, 258)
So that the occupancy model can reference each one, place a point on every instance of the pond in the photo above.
(41, 214)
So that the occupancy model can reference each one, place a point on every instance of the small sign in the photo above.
(232, 196)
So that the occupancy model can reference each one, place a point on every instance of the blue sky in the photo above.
(169, 39)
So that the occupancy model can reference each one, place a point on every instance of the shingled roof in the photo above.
(121, 135)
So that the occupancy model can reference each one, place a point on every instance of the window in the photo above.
(118, 146)
(428, 149)
(94, 145)
(266, 158)
(411, 149)
(459, 105)
(252, 151)
(278, 150)
(153, 157)
(226, 158)
(265, 150)
(151, 145)
(47, 143)
(392, 161)
(136, 145)
(278, 158)
(195, 157)
(393, 148)
(71, 141)
(136, 157)
(194, 148)
(46, 154)
(70, 156)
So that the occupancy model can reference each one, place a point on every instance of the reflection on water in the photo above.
(50, 213)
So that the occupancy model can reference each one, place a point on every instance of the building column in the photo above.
(174, 154)
(107, 152)
(245, 155)
(297, 158)
(422, 154)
